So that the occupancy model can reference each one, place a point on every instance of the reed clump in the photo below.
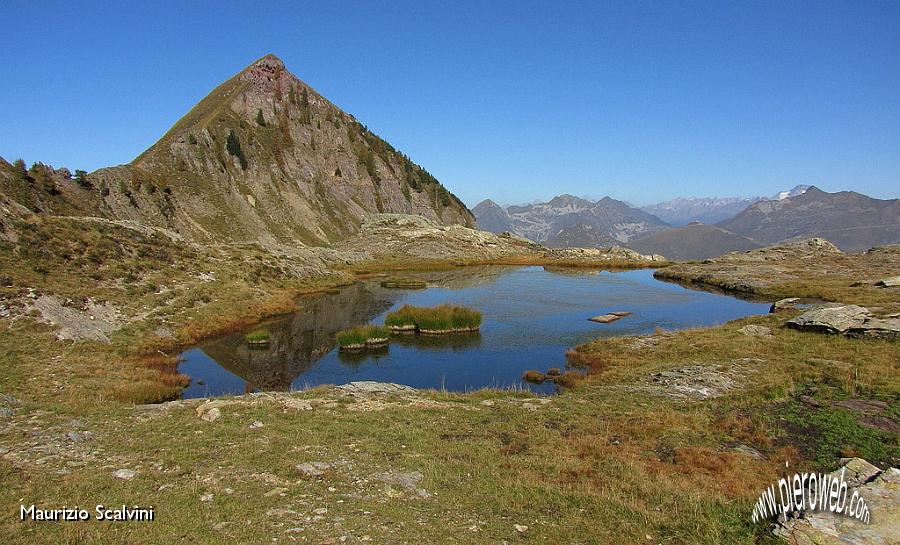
(363, 336)
(440, 319)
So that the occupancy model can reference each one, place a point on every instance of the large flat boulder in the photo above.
(830, 318)
(852, 320)
(373, 387)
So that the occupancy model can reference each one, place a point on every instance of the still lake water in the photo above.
(532, 315)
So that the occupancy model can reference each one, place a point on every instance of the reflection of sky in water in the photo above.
(531, 317)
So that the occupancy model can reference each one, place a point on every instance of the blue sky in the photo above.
(516, 101)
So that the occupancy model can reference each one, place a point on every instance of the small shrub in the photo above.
(569, 379)
(533, 376)
(82, 179)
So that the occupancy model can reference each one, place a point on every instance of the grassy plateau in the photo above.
(631, 453)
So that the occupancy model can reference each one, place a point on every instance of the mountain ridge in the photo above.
(567, 220)
(852, 221)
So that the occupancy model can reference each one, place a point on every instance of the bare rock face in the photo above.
(881, 492)
(852, 320)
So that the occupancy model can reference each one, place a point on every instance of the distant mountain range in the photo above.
(852, 221)
(684, 210)
(566, 221)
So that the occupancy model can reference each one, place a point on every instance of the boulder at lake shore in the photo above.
(851, 320)
(784, 304)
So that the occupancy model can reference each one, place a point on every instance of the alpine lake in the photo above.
(531, 317)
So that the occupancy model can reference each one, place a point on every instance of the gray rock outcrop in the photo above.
(852, 320)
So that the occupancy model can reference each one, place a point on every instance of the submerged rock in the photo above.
(605, 318)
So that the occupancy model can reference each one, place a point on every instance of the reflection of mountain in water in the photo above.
(455, 342)
(297, 341)
(354, 359)
(463, 277)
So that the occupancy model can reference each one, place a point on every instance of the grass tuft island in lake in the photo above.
(363, 336)
(439, 320)
(259, 337)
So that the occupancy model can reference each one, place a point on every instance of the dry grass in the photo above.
(841, 277)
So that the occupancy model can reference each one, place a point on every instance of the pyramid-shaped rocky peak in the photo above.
(265, 158)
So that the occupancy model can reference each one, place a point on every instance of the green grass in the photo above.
(831, 433)
(361, 334)
(439, 318)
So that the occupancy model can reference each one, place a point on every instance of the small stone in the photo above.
(320, 511)
(313, 469)
(206, 497)
(521, 528)
(125, 474)
(212, 414)
(78, 436)
(749, 451)
(256, 424)
(755, 331)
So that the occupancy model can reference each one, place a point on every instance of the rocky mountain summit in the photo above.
(263, 158)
